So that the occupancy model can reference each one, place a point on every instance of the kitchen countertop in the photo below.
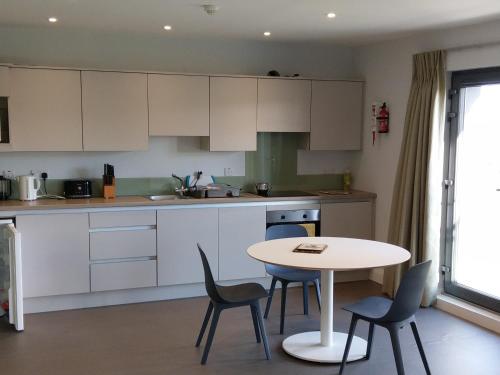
(138, 201)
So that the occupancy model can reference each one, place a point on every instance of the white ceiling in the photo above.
(357, 21)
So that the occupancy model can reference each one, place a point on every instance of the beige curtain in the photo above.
(416, 205)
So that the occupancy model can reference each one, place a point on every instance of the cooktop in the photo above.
(288, 193)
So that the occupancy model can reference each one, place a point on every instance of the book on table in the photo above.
(310, 248)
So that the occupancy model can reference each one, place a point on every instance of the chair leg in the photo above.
(396, 348)
(263, 332)
(205, 322)
(305, 297)
(370, 341)
(318, 293)
(284, 285)
(350, 335)
(270, 298)
(211, 333)
(420, 347)
(255, 322)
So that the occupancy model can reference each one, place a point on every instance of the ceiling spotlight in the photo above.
(52, 19)
(331, 15)
(267, 33)
(167, 27)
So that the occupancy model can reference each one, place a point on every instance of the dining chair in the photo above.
(392, 315)
(286, 275)
(226, 297)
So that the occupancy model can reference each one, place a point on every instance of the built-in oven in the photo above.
(308, 217)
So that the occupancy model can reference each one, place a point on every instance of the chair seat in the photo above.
(241, 293)
(371, 307)
(292, 274)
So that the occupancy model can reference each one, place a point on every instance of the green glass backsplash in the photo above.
(275, 161)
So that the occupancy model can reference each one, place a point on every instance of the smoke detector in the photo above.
(210, 9)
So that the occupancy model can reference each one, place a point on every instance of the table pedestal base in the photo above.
(307, 346)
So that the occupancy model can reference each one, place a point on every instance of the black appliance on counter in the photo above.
(77, 189)
(5, 188)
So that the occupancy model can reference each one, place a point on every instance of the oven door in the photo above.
(308, 218)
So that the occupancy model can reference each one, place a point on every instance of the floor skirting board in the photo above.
(472, 313)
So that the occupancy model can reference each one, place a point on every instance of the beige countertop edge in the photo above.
(137, 201)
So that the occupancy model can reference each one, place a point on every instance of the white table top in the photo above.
(341, 253)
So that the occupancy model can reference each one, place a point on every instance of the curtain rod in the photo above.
(472, 46)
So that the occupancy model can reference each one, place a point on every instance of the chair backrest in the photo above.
(210, 285)
(409, 294)
(283, 231)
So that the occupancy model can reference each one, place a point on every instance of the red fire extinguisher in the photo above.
(383, 119)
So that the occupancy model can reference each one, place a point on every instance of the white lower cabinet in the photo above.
(179, 230)
(347, 219)
(55, 254)
(122, 244)
(123, 275)
(240, 227)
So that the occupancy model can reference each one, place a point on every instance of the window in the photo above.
(473, 189)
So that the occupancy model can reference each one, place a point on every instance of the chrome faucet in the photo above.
(180, 190)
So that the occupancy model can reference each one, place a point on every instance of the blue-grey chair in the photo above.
(286, 275)
(392, 315)
(226, 297)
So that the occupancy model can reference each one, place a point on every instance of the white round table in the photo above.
(341, 254)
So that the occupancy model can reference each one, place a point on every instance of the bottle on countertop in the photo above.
(347, 178)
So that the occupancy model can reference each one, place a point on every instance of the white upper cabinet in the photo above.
(178, 105)
(233, 114)
(284, 105)
(45, 112)
(336, 115)
(115, 111)
(4, 81)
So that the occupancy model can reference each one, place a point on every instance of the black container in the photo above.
(5, 188)
(78, 189)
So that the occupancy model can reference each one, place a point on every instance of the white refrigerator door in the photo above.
(16, 313)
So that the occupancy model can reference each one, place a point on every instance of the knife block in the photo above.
(109, 191)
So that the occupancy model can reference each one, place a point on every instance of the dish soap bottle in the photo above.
(347, 182)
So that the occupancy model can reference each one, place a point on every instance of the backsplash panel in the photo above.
(275, 161)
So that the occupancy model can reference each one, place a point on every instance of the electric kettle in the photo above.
(28, 187)
(5, 188)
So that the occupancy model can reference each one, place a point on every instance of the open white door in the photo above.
(16, 312)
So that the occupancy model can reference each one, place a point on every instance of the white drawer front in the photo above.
(122, 275)
(122, 219)
(122, 244)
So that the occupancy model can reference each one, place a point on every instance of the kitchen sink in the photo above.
(165, 197)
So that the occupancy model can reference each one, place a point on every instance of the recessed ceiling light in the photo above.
(53, 19)
(267, 33)
(331, 15)
(167, 27)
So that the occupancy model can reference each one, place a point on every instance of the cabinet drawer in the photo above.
(122, 219)
(122, 275)
(122, 244)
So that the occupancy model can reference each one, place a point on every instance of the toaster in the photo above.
(77, 188)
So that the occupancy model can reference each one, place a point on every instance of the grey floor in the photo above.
(158, 338)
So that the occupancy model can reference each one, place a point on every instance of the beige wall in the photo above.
(387, 68)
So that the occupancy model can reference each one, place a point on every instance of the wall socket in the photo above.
(228, 171)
